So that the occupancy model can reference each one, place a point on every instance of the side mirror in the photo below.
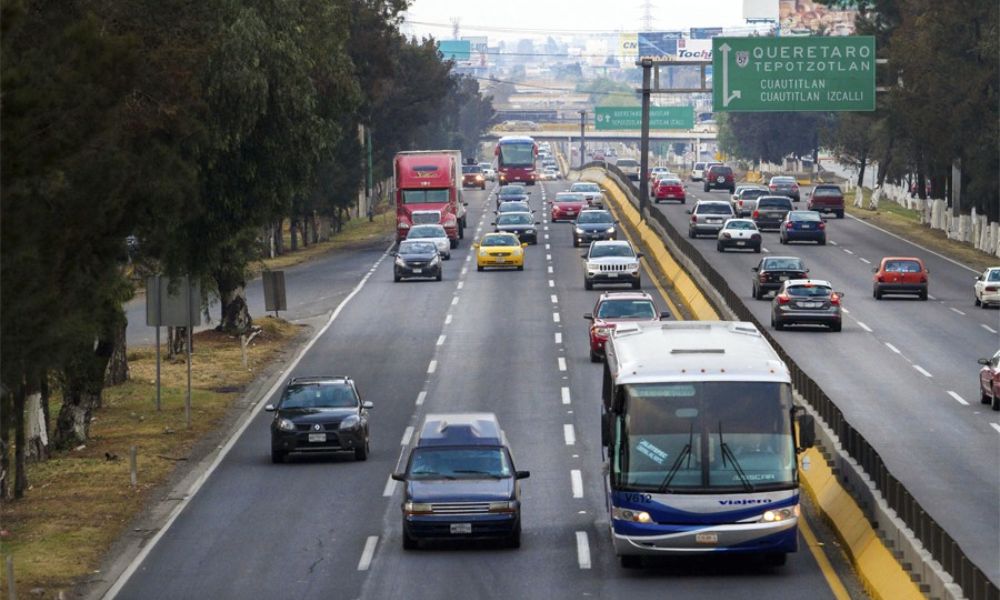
(842, 294)
(874, 269)
(475, 246)
(982, 361)
(588, 316)
(522, 474)
(807, 432)
(664, 314)
(538, 222)
(493, 223)
(524, 244)
(583, 256)
(270, 407)
(639, 254)
(398, 476)
(617, 221)
(367, 405)
(755, 269)
(807, 270)
(465, 203)
(688, 211)
(394, 253)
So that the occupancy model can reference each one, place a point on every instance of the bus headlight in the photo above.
(627, 514)
(779, 514)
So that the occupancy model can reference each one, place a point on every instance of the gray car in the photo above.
(708, 217)
(806, 302)
(781, 185)
(771, 211)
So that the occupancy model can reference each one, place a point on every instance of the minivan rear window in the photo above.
(827, 191)
(715, 209)
(774, 203)
(902, 266)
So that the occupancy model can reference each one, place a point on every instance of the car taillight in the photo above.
(782, 298)
(878, 278)
(923, 279)
(789, 225)
(773, 187)
(991, 288)
(822, 225)
(756, 213)
(835, 300)
(694, 218)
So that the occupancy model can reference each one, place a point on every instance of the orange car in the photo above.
(900, 275)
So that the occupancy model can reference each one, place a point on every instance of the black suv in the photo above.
(773, 271)
(319, 414)
(720, 177)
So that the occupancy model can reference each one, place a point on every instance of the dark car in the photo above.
(989, 381)
(771, 211)
(511, 193)
(827, 198)
(773, 271)
(514, 206)
(416, 258)
(803, 225)
(806, 302)
(319, 414)
(782, 185)
(472, 176)
(461, 483)
(521, 224)
(593, 225)
(720, 177)
(708, 216)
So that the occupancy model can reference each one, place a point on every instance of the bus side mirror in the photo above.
(807, 432)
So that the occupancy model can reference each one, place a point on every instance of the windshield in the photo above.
(594, 217)
(514, 219)
(826, 191)
(705, 436)
(774, 203)
(569, 198)
(427, 231)
(808, 291)
(514, 207)
(409, 248)
(471, 169)
(500, 240)
(666, 182)
(750, 194)
(902, 266)
(458, 463)
(511, 191)
(517, 154)
(627, 162)
(994, 275)
(804, 216)
(699, 166)
(425, 196)
(740, 225)
(601, 250)
(584, 187)
(783, 180)
(319, 396)
(626, 309)
(714, 209)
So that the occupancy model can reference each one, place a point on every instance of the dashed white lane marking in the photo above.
(562, 364)
(432, 367)
(461, 284)
(987, 328)
(765, 250)
(421, 397)
(931, 297)
(441, 339)
(958, 398)
(564, 392)
(407, 435)
(465, 270)
(390, 487)
(554, 298)
(454, 301)
(548, 257)
(922, 371)
(569, 435)
(548, 246)
(552, 283)
(545, 228)
(582, 550)
(549, 268)
(576, 479)
(865, 260)
(447, 319)
(995, 426)
(847, 251)
(558, 338)
(468, 258)
(555, 317)
(893, 348)
(368, 553)
(955, 310)
(833, 243)
(845, 311)
(546, 236)
(865, 327)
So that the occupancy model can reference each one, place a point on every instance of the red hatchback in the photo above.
(989, 381)
(669, 189)
(613, 308)
(900, 275)
(567, 205)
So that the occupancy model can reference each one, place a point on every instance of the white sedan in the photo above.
(432, 233)
(987, 287)
(739, 233)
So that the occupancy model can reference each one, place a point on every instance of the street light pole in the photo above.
(583, 138)
(647, 66)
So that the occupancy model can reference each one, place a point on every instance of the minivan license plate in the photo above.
(317, 437)
(706, 538)
(460, 528)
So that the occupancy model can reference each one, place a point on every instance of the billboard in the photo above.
(705, 33)
(628, 44)
(658, 44)
(694, 50)
(760, 10)
(457, 50)
(478, 42)
(806, 17)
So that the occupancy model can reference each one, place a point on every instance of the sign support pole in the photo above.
(647, 66)
(583, 138)
(187, 400)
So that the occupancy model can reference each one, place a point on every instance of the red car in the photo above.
(567, 205)
(900, 275)
(669, 189)
(989, 381)
(613, 308)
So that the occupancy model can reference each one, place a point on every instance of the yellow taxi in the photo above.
(499, 250)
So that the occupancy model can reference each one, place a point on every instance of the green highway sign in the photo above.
(758, 74)
(630, 117)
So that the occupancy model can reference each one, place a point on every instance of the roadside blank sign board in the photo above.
(172, 302)
(761, 74)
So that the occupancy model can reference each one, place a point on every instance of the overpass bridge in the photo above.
(627, 135)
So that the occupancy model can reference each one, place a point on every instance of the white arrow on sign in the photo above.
(726, 96)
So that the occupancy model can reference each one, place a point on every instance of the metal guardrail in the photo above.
(942, 547)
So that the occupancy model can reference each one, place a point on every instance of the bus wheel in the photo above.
(776, 559)
(630, 561)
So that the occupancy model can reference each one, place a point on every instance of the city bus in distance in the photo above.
(698, 429)
(516, 159)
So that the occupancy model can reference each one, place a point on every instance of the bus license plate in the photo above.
(706, 538)
(461, 528)
(317, 437)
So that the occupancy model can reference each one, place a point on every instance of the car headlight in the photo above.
(404, 225)
(579, 231)
(483, 252)
(627, 514)
(286, 425)
(350, 422)
(503, 507)
(416, 508)
(400, 262)
(518, 251)
(780, 514)
(610, 230)
(435, 260)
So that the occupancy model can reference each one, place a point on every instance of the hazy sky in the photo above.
(522, 18)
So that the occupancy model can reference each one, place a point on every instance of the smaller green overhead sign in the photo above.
(630, 117)
(455, 49)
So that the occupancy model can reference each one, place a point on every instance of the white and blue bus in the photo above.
(697, 424)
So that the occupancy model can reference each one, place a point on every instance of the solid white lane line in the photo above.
(447, 319)
(865, 260)
(368, 553)
(549, 268)
(893, 348)
(562, 364)
(958, 398)
(582, 550)
(847, 251)
(390, 487)
(865, 327)
(552, 283)
(558, 338)
(554, 298)
(922, 371)
(987, 328)
(433, 366)
(564, 392)
(555, 317)
(953, 309)
(454, 301)
(568, 434)
(995, 426)
(421, 397)
(576, 479)
(407, 435)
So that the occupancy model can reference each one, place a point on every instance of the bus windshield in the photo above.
(704, 437)
(517, 154)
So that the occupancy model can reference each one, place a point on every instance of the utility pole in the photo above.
(647, 67)
(583, 138)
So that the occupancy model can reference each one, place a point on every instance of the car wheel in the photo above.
(691, 233)
(453, 243)
(636, 284)
(396, 277)
(840, 214)
(707, 188)
(630, 561)
(479, 267)
(995, 405)
(778, 325)
(775, 559)
(756, 293)
(409, 543)
(438, 276)
(975, 300)
(575, 243)
(514, 541)
(782, 240)
(923, 295)
(587, 284)
(757, 248)
(520, 267)
(822, 242)
(984, 398)
(836, 327)
(877, 293)
(362, 452)
(277, 457)
(596, 358)
(719, 247)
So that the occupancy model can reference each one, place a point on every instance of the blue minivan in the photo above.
(461, 482)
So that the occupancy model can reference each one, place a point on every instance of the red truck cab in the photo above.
(429, 181)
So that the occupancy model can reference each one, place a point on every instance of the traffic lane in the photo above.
(314, 288)
(878, 338)
(497, 355)
(298, 529)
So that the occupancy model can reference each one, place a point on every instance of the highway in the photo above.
(903, 371)
(513, 343)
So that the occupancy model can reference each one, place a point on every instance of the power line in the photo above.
(501, 29)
